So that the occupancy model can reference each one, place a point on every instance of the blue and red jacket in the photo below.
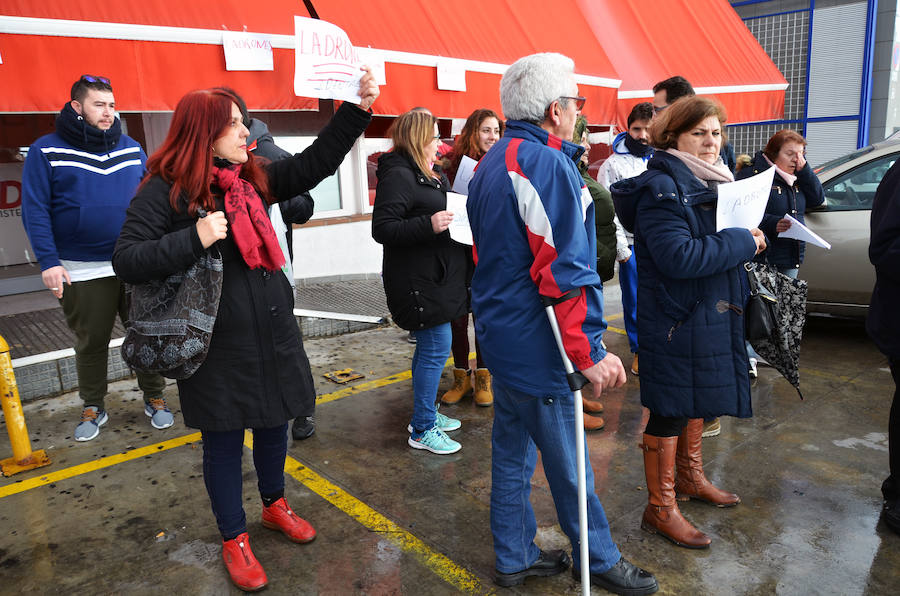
(533, 223)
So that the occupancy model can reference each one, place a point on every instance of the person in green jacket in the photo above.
(604, 214)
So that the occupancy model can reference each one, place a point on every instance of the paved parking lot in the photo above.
(128, 512)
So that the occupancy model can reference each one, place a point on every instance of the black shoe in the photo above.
(304, 427)
(890, 513)
(623, 578)
(548, 563)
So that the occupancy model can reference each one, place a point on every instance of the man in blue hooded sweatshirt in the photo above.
(76, 185)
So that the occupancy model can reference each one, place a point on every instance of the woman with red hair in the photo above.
(256, 374)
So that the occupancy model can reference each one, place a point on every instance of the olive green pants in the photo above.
(90, 308)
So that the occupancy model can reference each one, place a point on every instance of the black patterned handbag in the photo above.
(170, 321)
(761, 313)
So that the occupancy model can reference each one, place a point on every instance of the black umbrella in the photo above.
(782, 349)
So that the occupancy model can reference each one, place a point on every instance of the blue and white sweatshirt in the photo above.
(74, 200)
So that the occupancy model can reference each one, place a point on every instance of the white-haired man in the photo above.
(533, 224)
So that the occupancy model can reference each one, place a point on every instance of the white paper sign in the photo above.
(459, 226)
(798, 231)
(742, 204)
(247, 51)
(326, 64)
(450, 76)
(375, 61)
(464, 175)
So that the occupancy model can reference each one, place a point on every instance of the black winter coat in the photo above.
(806, 193)
(256, 374)
(883, 322)
(424, 273)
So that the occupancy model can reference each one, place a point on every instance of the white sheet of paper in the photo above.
(459, 227)
(464, 175)
(375, 61)
(450, 76)
(247, 51)
(798, 231)
(743, 203)
(326, 63)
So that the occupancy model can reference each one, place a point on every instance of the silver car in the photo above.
(841, 279)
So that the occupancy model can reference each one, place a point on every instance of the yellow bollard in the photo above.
(23, 457)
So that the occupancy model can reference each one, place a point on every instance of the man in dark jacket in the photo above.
(883, 323)
(533, 224)
(297, 210)
(76, 185)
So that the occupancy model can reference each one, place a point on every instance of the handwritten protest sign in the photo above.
(327, 65)
(742, 204)
(459, 227)
(247, 51)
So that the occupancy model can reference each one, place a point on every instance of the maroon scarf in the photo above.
(250, 225)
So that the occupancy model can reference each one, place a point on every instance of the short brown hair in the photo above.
(773, 147)
(411, 133)
(682, 116)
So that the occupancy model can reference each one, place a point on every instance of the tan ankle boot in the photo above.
(462, 385)
(662, 515)
(484, 395)
(593, 422)
(691, 482)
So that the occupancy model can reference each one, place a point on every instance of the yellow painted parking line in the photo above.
(617, 330)
(441, 565)
(98, 464)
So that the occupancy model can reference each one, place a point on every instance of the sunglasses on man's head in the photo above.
(93, 79)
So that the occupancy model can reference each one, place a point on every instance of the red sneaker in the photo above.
(279, 516)
(242, 566)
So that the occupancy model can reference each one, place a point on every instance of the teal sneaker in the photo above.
(434, 440)
(445, 423)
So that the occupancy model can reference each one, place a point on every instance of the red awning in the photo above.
(154, 51)
(47, 45)
(482, 37)
(705, 41)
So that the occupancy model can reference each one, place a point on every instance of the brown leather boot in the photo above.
(690, 481)
(462, 385)
(662, 515)
(591, 405)
(484, 395)
(593, 422)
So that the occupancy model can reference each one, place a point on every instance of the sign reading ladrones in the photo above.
(14, 245)
(327, 65)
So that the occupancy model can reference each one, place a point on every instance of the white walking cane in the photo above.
(576, 382)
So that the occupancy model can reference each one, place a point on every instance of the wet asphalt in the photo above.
(127, 513)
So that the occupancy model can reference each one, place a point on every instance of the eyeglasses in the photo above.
(658, 109)
(92, 79)
(579, 101)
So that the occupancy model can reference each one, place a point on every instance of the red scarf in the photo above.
(247, 218)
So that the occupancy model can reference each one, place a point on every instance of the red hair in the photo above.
(185, 158)
(467, 141)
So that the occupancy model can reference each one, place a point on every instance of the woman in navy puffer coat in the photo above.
(691, 293)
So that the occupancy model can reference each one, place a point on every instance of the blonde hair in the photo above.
(411, 133)
(681, 117)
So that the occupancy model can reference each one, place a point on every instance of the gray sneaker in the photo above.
(92, 418)
(160, 415)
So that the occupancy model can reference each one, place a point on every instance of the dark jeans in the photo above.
(460, 344)
(222, 453)
(891, 487)
(663, 426)
(90, 308)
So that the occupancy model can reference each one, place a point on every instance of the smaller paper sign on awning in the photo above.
(247, 51)
(327, 65)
